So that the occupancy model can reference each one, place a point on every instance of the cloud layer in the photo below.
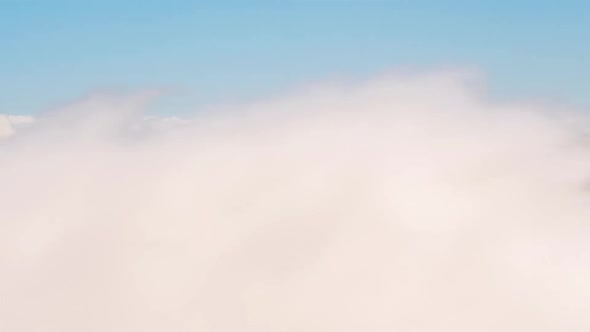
(410, 202)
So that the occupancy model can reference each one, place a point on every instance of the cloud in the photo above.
(410, 202)
(10, 123)
(5, 126)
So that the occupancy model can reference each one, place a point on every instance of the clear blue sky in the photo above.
(52, 51)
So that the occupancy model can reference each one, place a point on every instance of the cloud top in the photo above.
(409, 202)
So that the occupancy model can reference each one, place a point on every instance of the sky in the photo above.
(385, 200)
(209, 52)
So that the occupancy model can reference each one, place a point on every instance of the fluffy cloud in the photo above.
(9, 123)
(410, 202)
(5, 126)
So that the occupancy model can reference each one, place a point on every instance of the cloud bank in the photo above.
(410, 202)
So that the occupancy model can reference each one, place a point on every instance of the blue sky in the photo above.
(52, 51)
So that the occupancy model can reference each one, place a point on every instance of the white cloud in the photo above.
(10, 123)
(406, 203)
(5, 126)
